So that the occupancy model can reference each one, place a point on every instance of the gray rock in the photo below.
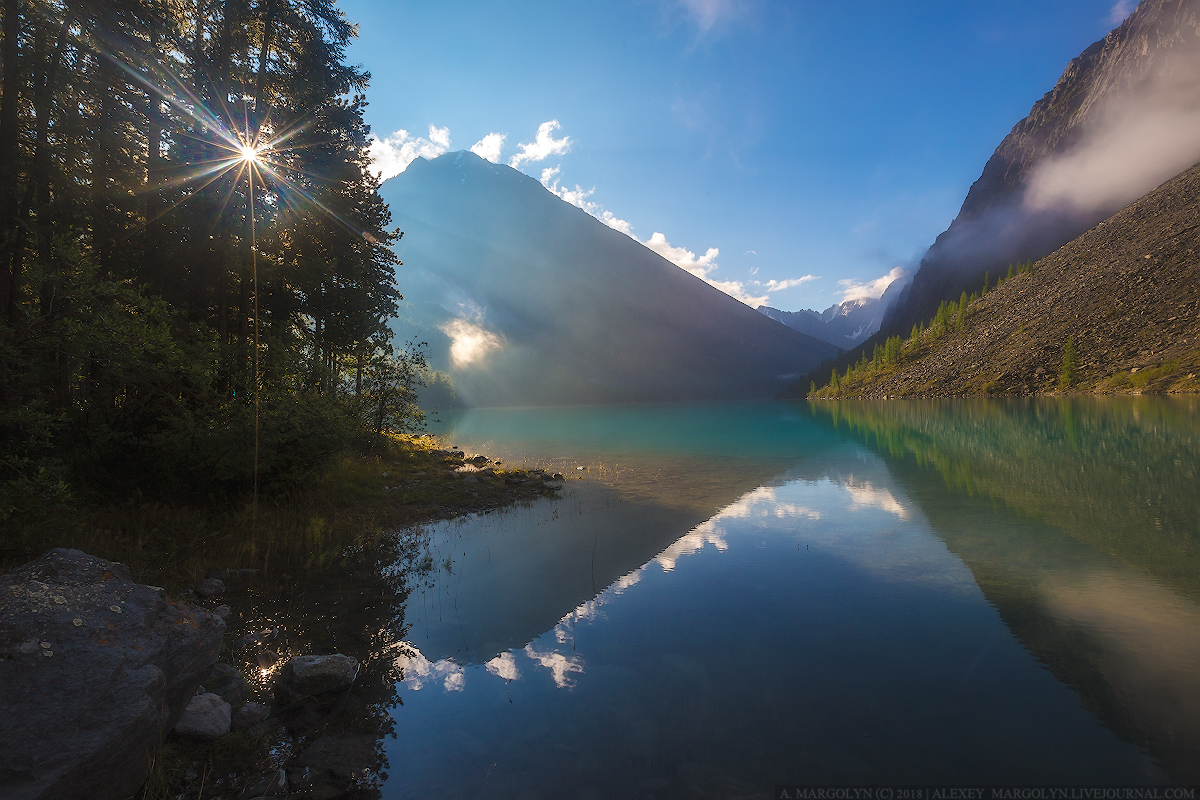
(227, 682)
(305, 676)
(206, 718)
(223, 611)
(211, 587)
(250, 715)
(125, 663)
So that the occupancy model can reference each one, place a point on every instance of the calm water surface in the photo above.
(727, 598)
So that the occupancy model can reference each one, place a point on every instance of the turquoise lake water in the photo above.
(728, 598)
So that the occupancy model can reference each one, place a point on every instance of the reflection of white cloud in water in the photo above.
(470, 342)
(693, 542)
(505, 666)
(762, 503)
(625, 581)
(864, 495)
(419, 671)
(560, 666)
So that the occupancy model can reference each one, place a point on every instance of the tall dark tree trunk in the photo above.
(10, 51)
(155, 123)
(37, 190)
(260, 110)
(102, 223)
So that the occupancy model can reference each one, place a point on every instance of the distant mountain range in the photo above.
(846, 324)
(527, 300)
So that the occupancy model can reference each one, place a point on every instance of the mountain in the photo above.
(1123, 118)
(1125, 295)
(844, 324)
(537, 302)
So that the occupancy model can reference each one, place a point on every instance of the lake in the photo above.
(723, 599)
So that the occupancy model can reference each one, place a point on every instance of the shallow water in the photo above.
(729, 598)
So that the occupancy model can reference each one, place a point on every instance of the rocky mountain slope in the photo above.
(539, 303)
(1123, 118)
(1126, 295)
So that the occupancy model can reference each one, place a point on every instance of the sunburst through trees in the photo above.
(175, 175)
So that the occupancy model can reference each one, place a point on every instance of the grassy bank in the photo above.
(409, 480)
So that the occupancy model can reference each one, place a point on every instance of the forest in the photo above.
(197, 268)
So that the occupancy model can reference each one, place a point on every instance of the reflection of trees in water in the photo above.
(345, 599)
(1119, 474)
(1118, 478)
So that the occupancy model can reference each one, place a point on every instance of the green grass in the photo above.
(174, 544)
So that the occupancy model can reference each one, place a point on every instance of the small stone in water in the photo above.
(46, 645)
(77, 622)
(47, 653)
(60, 600)
(115, 608)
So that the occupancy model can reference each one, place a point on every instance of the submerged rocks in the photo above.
(211, 587)
(226, 681)
(307, 676)
(206, 718)
(329, 766)
(94, 670)
(250, 715)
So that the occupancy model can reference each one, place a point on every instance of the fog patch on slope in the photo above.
(1137, 141)
(470, 343)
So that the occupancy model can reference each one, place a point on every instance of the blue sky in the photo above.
(795, 139)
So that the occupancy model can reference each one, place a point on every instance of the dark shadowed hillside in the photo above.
(1125, 295)
(552, 306)
(1123, 118)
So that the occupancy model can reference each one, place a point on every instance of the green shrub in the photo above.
(1067, 373)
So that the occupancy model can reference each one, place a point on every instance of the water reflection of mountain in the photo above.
(653, 474)
(515, 575)
(1095, 562)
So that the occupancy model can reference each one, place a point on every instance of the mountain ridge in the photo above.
(554, 307)
(1124, 298)
(1146, 65)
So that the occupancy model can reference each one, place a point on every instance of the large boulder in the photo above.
(94, 670)
(308, 676)
(225, 680)
(205, 719)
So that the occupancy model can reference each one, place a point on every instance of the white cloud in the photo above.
(579, 197)
(856, 290)
(1120, 10)
(560, 665)
(505, 666)
(542, 147)
(419, 671)
(681, 257)
(489, 147)
(700, 266)
(391, 156)
(790, 283)
(470, 342)
(864, 495)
